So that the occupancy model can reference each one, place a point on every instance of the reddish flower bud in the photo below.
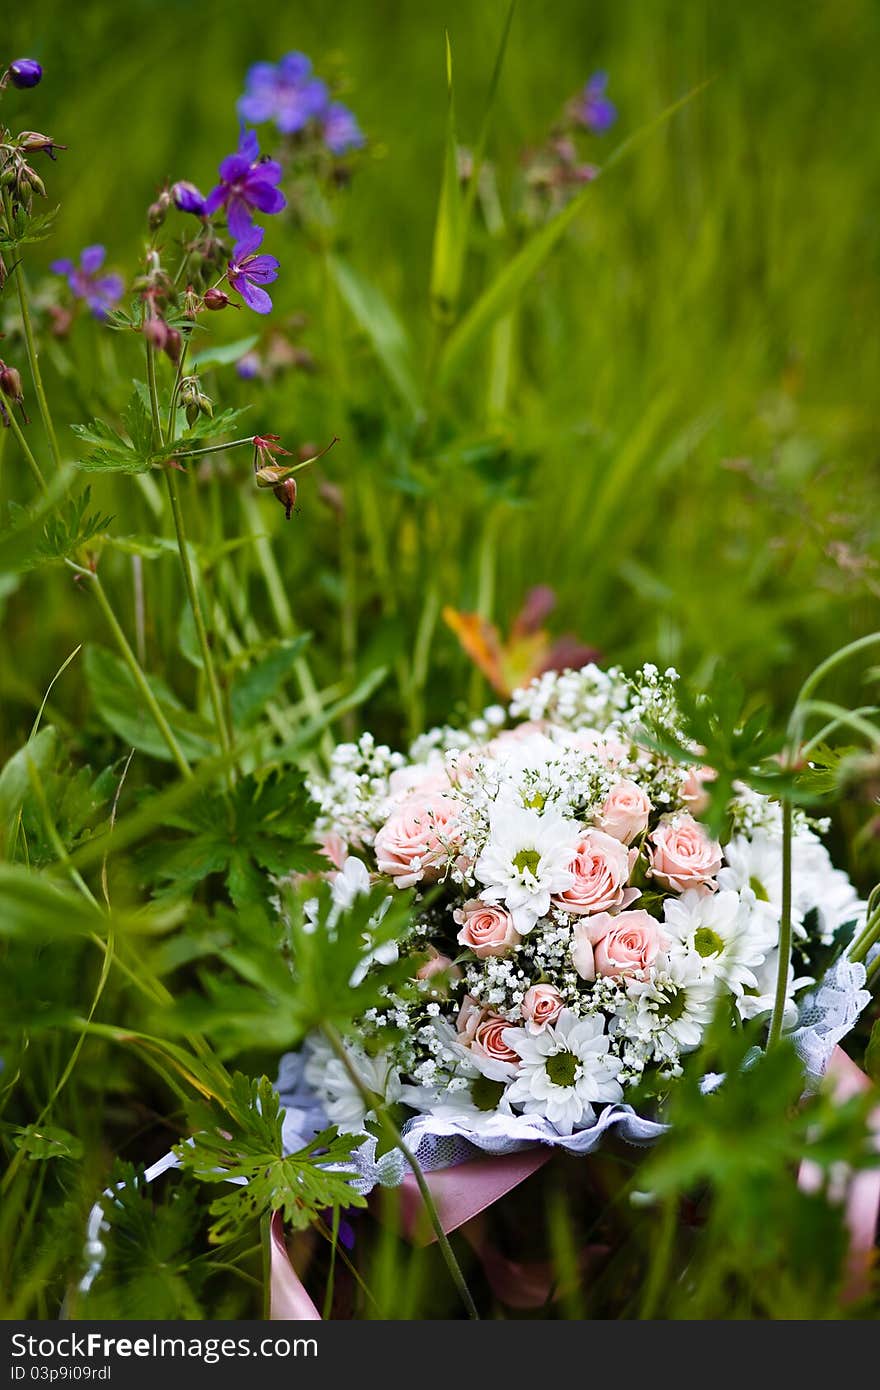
(156, 331)
(286, 494)
(10, 382)
(157, 211)
(173, 345)
(217, 299)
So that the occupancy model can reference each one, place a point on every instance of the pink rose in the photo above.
(625, 812)
(601, 867)
(693, 788)
(334, 848)
(486, 929)
(489, 1041)
(416, 841)
(418, 779)
(682, 855)
(482, 1033)
(437, 965)
(623, 945)
(541, 1005)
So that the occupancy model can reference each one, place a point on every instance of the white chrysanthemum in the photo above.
(564, 1070)
(756, 862)
(351, 882)
(720, 932)
(327, 1076)
(754, 1003)
(668, 1013)
(526, 860)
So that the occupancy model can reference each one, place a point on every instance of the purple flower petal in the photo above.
(262, 270)
(215, 199)
(92, 259)
(266, 171)
(256, 106)
(112, 287)
(234, 167)
(255, 298)
(249, 145)
(238, 219)
(294, 67)
(248, 243)
(265, 197)
(62, 267)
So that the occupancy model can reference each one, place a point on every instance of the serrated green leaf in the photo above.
(118, 702)
(253, 688)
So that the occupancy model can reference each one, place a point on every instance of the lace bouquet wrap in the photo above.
(580, 930)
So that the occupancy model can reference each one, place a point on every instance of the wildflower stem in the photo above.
(775, 1031)
(138, 676)
(333, 1037)
(31, 346)
(186, 563)
(28, 453)
(198, 616)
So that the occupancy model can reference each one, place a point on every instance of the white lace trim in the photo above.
(826, 1015)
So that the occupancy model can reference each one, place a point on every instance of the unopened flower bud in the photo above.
(286, 494)
(156, 331)
(25, 72)
(32, 178)
(157, 211)
(34, 142)
(10, 382)
(187, 197)
(216, 299)
(10, 386)
(173, 345)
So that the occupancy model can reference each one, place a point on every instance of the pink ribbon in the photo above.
(863, 1190)
(462, 1193)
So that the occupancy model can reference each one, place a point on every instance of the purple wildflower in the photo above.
(25, 72)
(286, 93)
(249, 366)
(100, 292)
(247, 271)
(340, 129)
(187, 198)
(592, 108)
(246, 182)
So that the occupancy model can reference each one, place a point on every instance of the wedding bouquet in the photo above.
(577, 926)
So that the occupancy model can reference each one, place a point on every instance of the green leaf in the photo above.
(252, 688)
(450, 229)
(223, 354)
(118, 702)
(504, 291)
(377, 319)
(47, 1141)
(15, 783)
(35, 909)
(243, 1139)
(263, 828)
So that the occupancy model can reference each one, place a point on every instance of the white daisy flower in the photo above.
(563, 1070)
(342, 1101)
(754, 1003)
(668, 1013)
(719, 932)
(526, 861)
(353, 881)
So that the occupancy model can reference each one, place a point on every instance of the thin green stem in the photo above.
(28, 453)
(138, 676)
(31, 346)
(198, 616)
(370, 1101)
(660, 1264)
(776, 1021)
